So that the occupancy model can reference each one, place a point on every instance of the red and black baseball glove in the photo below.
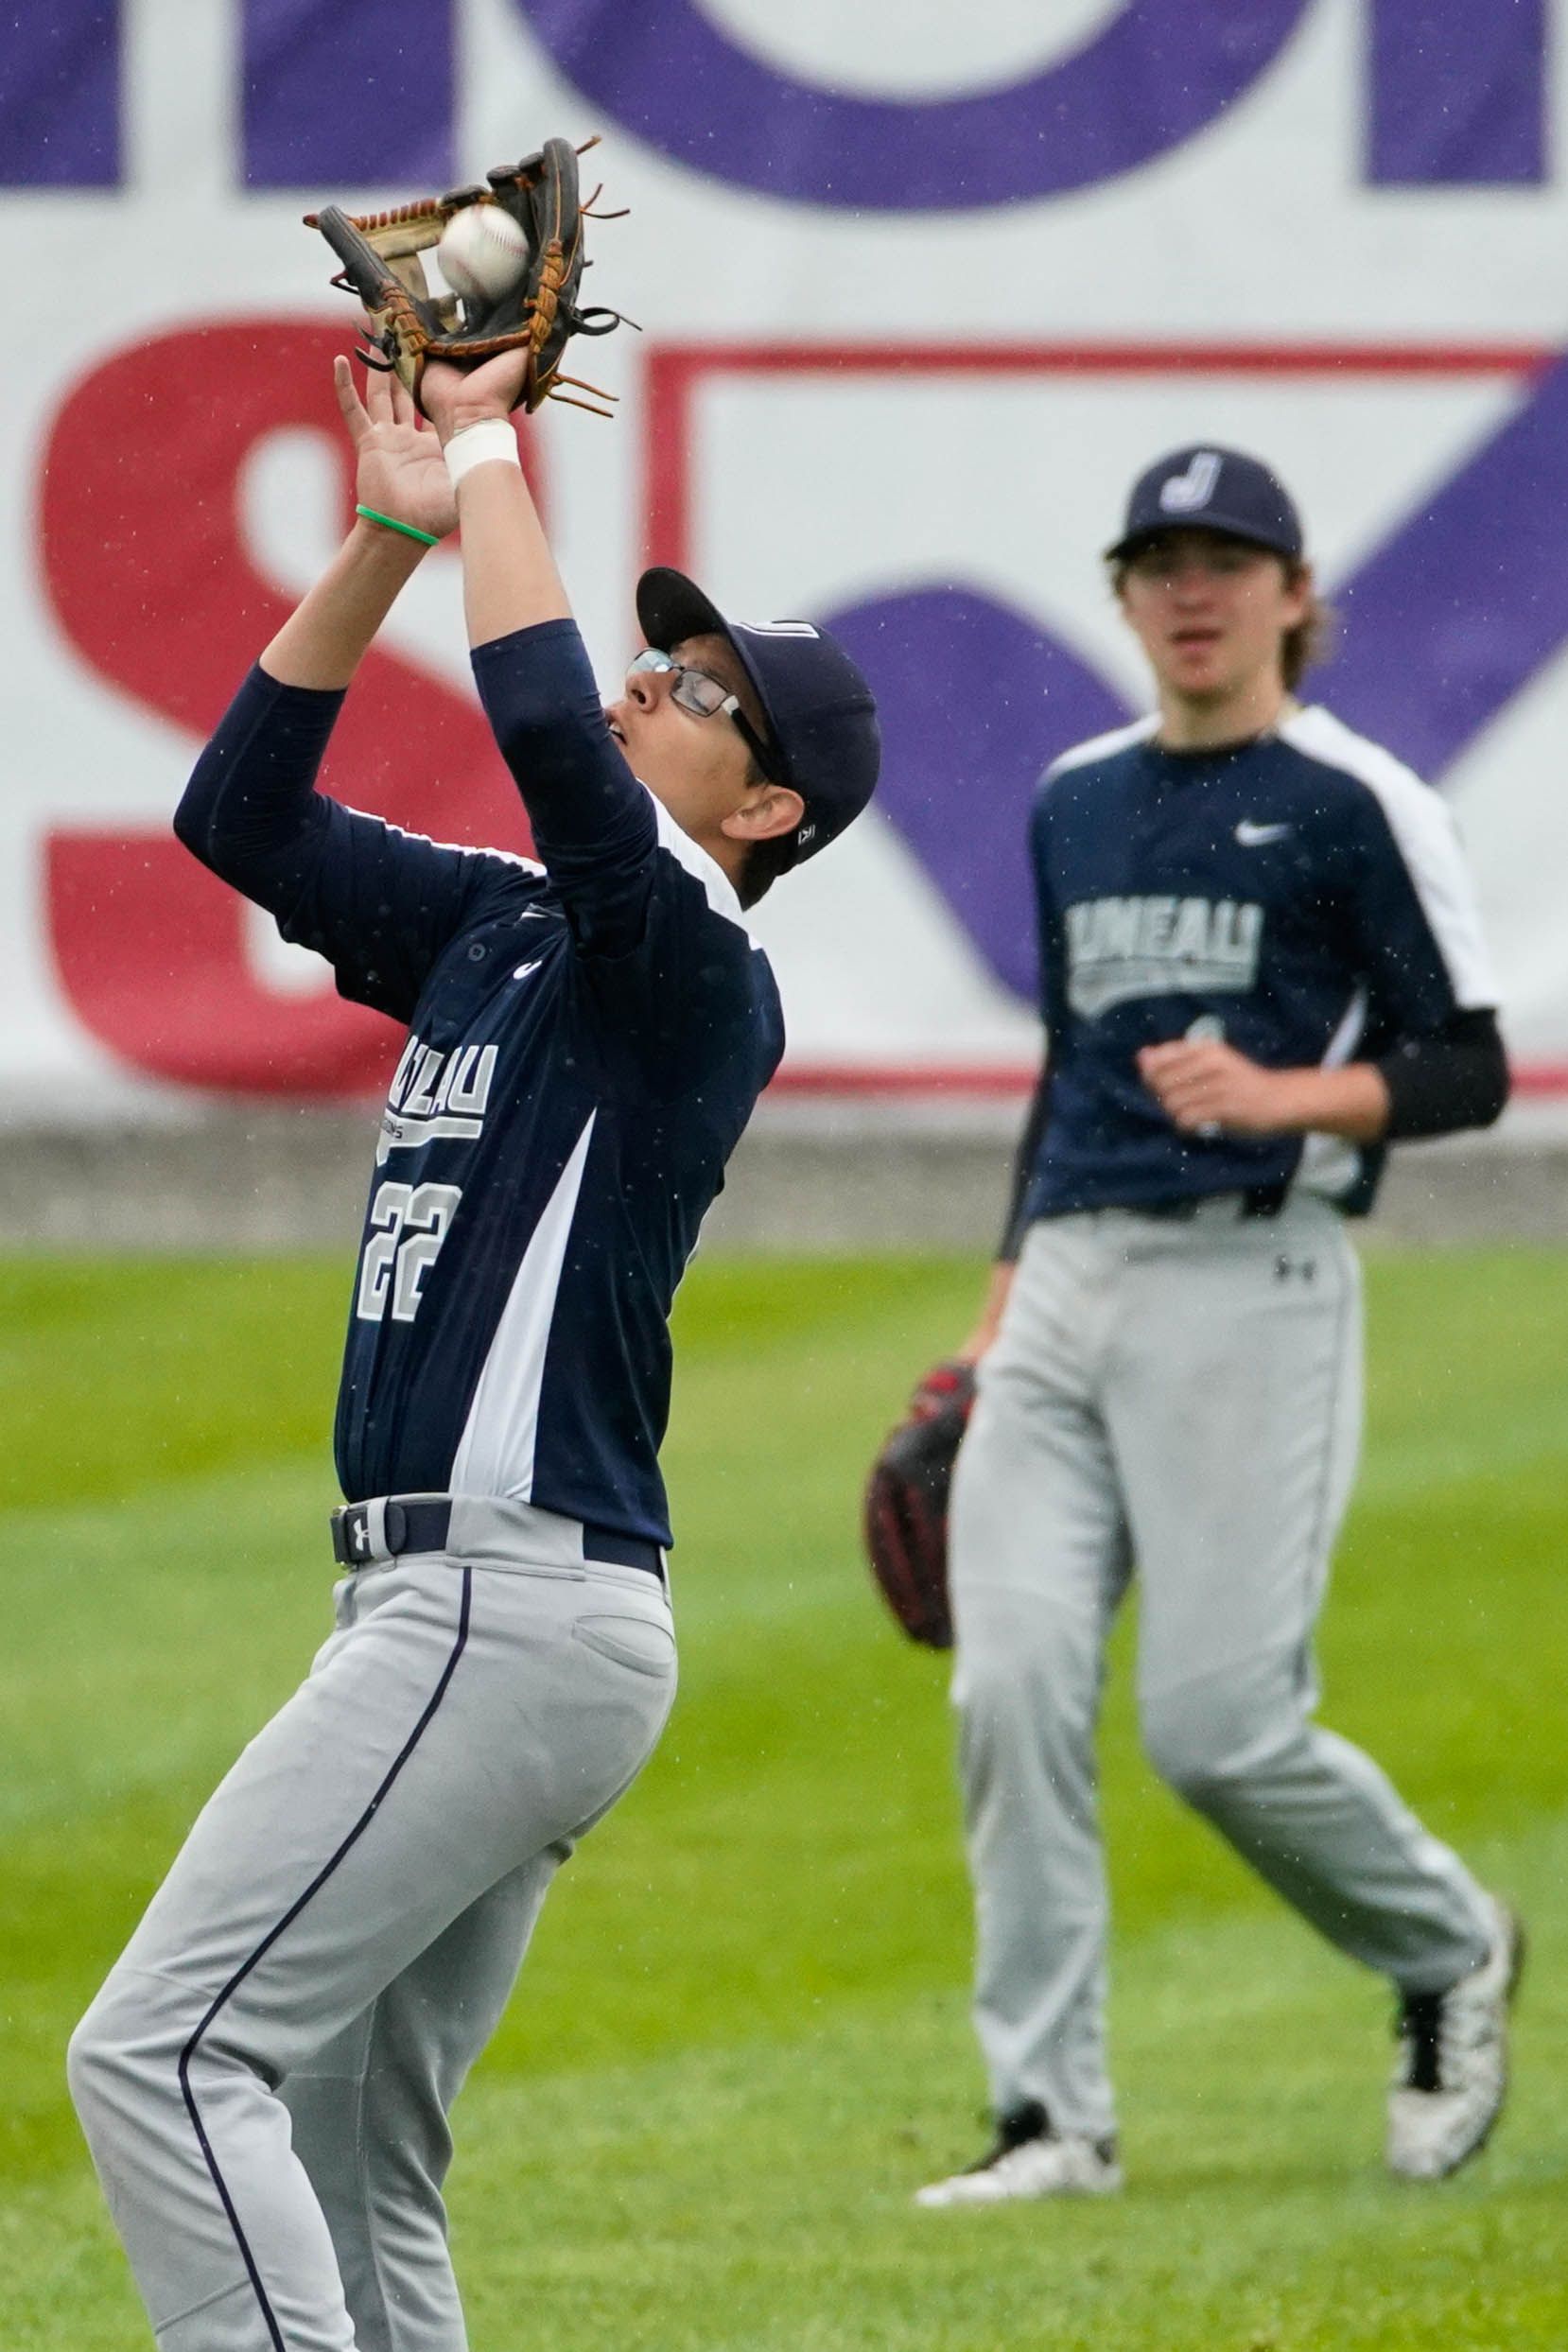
(906, 1504)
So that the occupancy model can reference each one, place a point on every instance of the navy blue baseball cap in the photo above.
(1203, 487)
(821, 715)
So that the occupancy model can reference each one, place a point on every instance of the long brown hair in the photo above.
(1311, 639)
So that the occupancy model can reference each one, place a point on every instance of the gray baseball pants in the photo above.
(1184, 1395)
(265, 2078)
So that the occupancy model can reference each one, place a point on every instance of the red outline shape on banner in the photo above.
(677, 372)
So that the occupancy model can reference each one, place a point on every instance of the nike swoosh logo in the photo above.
(1253, 836)
(523, 969)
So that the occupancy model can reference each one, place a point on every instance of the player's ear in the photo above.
(765, 812)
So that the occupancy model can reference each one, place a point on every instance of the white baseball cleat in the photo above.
(1029, 2159)
(1452, 2072)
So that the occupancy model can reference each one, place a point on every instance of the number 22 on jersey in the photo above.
(408, 1225)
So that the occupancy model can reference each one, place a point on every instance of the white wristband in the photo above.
(479, 445)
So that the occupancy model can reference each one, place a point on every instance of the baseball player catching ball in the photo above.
(266, 2076)
(1261, 965)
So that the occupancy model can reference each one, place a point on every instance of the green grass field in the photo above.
(741, 2040)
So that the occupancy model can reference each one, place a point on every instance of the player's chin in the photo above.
(1200, 668)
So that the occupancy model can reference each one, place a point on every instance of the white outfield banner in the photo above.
(922, 289)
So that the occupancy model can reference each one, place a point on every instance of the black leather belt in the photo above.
(1258, 1200)
(422, 1524)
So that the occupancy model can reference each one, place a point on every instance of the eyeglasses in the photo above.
(707, 698)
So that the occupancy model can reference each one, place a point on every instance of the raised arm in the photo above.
(376, 902)
(251, 795)
(399, 477)
(594, 825)
(509, 576)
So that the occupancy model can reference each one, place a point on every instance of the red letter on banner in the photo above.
(149, 578)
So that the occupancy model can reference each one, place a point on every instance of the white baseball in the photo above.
(482, 253)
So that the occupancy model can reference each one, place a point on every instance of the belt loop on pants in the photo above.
(386, 1527)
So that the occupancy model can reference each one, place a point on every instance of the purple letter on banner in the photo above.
(344, 91)
(1157, 74)
(973, 699)
(1457, 93)
(1459, 608)
(59, 95)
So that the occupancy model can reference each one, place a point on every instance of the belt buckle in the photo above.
(351, 1535)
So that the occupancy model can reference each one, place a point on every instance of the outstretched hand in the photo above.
(400, 469)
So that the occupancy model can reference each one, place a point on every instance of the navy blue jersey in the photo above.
(586, 1038)
(1302, 895)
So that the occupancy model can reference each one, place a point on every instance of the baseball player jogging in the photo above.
(266, 2076)
(1261, 965)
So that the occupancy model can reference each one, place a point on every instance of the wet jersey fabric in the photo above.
(1301, 895)
(587, 1036)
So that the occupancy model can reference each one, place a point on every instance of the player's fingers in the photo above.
(404, 411)
(1163, 1061)
(349, 406)
(378, 396)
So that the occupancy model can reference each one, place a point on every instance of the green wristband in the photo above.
(426, 538)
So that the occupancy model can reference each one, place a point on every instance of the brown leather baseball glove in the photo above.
(906, 1504)
(380, 255)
